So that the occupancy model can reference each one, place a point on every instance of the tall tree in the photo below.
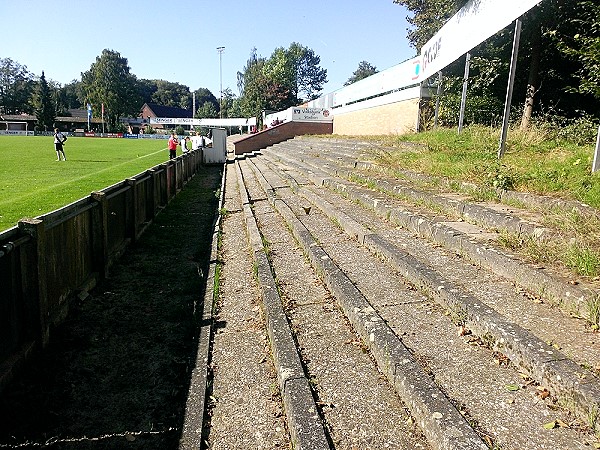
(227, 103)
(203, 96)
(207, 110)
(279, 89)
(16, 87)
(109, 82)
(428, 16)
(250, 84)
(172, 94)
(309, 75)
(44, 106)
(558, 58)
(284, 80)
(364, 70)
(70, 96)
(580, 42)
(146, 89)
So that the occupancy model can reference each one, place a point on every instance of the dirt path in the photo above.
(117, 373)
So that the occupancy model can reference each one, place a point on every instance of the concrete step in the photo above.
(474, 374)
(443, 223)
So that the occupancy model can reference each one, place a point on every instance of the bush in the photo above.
(484, 110)
(581, 130)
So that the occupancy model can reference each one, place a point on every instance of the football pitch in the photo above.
(33, 182)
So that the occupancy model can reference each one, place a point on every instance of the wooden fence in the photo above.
(47, 262)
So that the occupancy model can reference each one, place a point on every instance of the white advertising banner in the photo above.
(311, 115)
(396, 77)
(473, 24)
(232, 122)
(17, 133)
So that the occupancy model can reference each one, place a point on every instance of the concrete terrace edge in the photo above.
(191, 434)
(443, 425)
(304, 423)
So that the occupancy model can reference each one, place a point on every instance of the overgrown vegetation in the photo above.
(544, 159)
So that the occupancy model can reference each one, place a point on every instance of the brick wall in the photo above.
(395, 118)
(280, 133)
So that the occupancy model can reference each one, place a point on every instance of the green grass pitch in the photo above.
(32, 182)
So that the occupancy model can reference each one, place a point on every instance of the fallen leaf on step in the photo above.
(542, 392)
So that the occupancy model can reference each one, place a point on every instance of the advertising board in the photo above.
(311, 115)
(473, 24)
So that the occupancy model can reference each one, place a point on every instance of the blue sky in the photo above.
(177, 40)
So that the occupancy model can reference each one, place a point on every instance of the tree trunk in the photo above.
(532, 81)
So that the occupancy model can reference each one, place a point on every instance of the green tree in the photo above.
(70, 96)
(251, 81)
(203, 96)
(364, 70)
(109, 82)
(172, 94)
(309, 76)
(428, 16)
(281, 81)
(560, 43)
(146, 89)
(558, 57)
(16, 87)
(207, 111)
(580, 42)
(44, 105)
(236, 108)
(227, 103)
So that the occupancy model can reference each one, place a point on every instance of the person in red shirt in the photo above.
(173, 146)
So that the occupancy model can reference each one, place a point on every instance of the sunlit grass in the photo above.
(534, 161)
(32, 182)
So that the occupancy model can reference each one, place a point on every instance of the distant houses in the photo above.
(152, 110)
(77, 120)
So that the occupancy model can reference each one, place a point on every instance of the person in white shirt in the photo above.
(197, 141)
(59, 140)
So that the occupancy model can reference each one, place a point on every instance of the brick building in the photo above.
(151, 110)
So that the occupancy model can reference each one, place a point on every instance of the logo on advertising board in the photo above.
(416, 69)
(432, 52)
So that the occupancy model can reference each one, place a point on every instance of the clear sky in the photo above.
(177, 40)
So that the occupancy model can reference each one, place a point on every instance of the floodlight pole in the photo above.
(220, 50)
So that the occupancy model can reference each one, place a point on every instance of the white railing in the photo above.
(391, 85)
